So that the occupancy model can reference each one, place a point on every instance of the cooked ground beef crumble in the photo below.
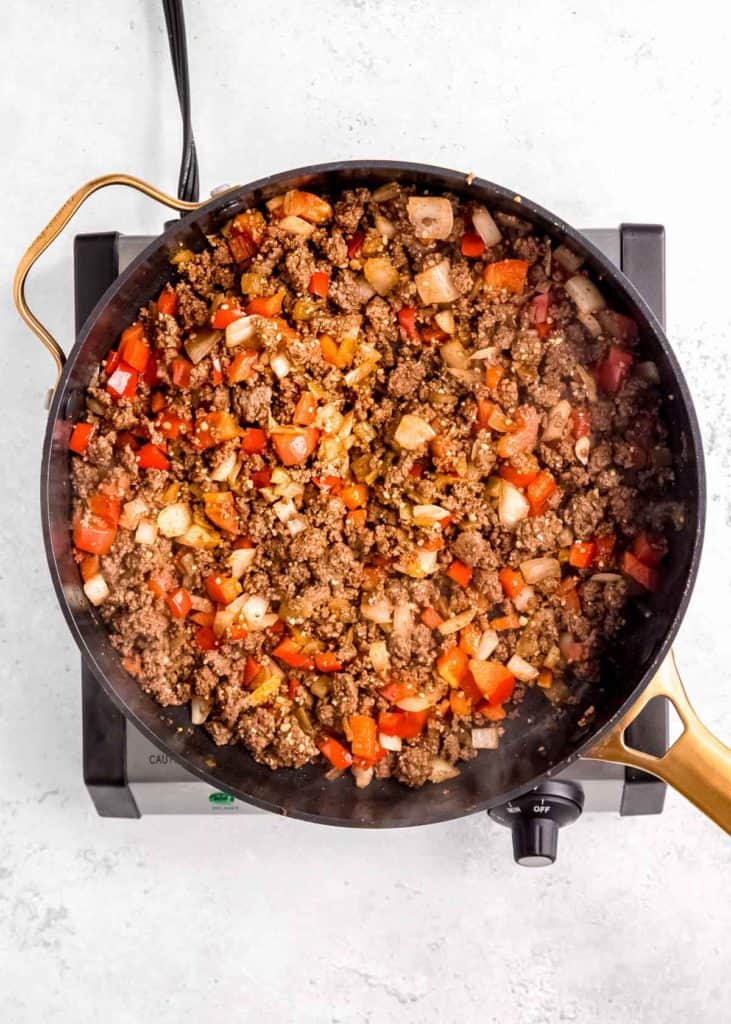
(365, 470)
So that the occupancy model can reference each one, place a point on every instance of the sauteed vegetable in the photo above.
(366, 470)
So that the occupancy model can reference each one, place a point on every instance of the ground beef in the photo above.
(297, 481)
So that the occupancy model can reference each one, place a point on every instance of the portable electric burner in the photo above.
(127, 776)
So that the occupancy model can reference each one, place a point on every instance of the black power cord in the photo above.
(175, 21)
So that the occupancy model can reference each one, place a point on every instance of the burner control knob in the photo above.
(535, 817)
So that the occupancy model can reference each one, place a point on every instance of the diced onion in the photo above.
(553, 657)
(537, 569)
(389, 742)
(380, 658)
(490, 352)
(582, 449)
(487, 738)
(223, 619)
(201, 343)
(200, 604)
(584, 293)
(296, 226)
(200, 537)
(436, 285)
(524, 599)
(296, 525)
(403, 620)
(378, 609)
(225, 468)
(588, 381)
(240, 331)
(431, 216)
(591, 323)
(284, 510)
(200, 709)
(175, 519)
(442, 771)
(485, 226)
(280, 365)
(254, 610)
(132, 512)
(416, 703)
(567, 259)
(428, 515)
(384, 227)
(445, 320)
(413, 432)
(606, 577)
(455, 355)
(96, 589)
(558, 419)
(385, 192)
(486, 645)
(380, 274)
(419, 563)
(648, 371)
(146, 532)
(521, 669)
(363, 776)
(240, 560)
(512, 504)
(457, 622)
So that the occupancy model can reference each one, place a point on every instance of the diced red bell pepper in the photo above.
(327, 661)
(460, 573)
(580, 423)
(472, 245)
(539, 491)
(364, 742)
(220, 507)
(614, 368)
(539, 308)
(94, 535)
(222, 589)
(89, 567)
(216, 371)
(407, 322)
(105, 507)
(417, 469)
(149, 456)
(133, 348)
(215, 427)
(452, 666)
(254, 440)
(203, 618)
(520, 477)
(494, 680)
(649, 549)
(512, 581)
(266, 305)
(150, 374)
(242, 367)
(395, 691)
(178, 602)
(261, 477)
(335, 752)
(80, 437)
(505, 622)
(123, 381)
(469, 639)
(319, 284)
(111, 362)
(645, 575)
(493, 376)
(252, 668)
(294, 445)
(355, 244)
(492, 712)
(205, 638)
(305, 411)
(582, 554)
(291, 654)
(459, 703)
(569, 594)
(126, 439)
(171, 426)
(523, 434)
(406, 724)
(167, 302)
(431, 618)
(226, 315)
(354, 496)
(242, 245)
(181, 369)
(509, 275)
(156, 584)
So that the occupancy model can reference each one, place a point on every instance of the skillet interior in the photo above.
(542, 740)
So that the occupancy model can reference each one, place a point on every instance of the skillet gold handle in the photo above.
(697, 765)
(51, 231)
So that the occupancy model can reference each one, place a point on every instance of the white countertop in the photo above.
(603, 112)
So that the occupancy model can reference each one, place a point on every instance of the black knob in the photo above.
(535, 817)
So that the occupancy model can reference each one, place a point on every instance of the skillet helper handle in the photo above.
(51, 231)
(698, 765)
